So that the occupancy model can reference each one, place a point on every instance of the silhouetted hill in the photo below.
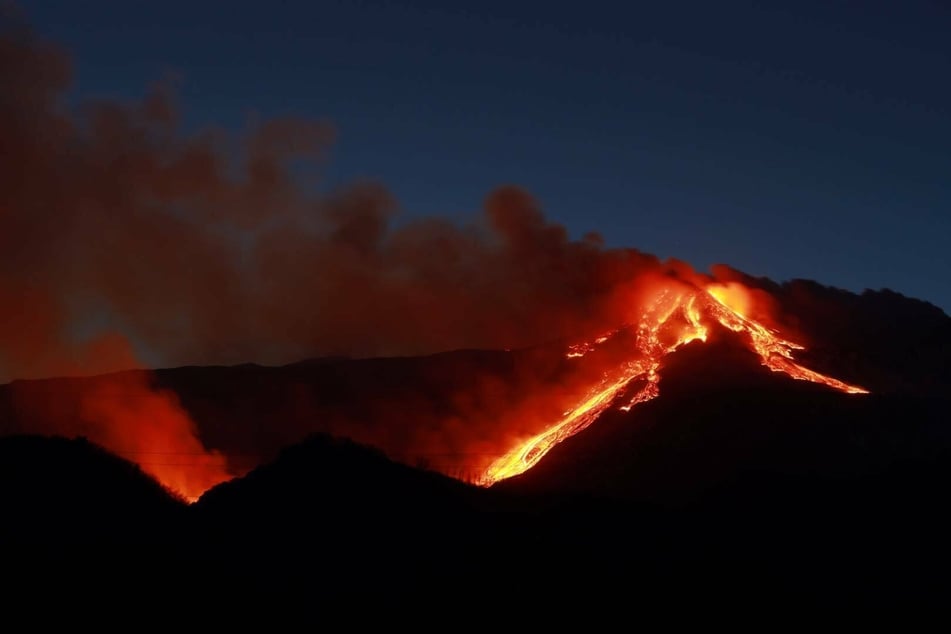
(80, 524)
(344, 516)
(330, 520)
(347, 522)
(340, 480)
(735, 484)
(71, 491)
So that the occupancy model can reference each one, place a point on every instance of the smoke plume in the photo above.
(207, 247)
(127, 241)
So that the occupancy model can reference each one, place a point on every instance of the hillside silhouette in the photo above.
(70, 490)
(735, 482)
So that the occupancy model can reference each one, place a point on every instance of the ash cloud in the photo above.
(117, 224)
(126, 241)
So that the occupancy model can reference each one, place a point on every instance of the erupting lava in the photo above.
(672, 318)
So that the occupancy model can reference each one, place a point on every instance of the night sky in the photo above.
(789, 140)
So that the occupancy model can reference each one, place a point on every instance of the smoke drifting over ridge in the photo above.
(126, 241)
(119, 229)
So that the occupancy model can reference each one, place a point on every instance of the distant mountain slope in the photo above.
(450, 410)
(878, 338)
(414, 408)
(721, 416)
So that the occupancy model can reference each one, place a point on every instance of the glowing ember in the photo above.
(672, 319)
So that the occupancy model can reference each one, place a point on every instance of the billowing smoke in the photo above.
(127, 241)
(206, 248)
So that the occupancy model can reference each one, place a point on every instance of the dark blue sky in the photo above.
(787, 139)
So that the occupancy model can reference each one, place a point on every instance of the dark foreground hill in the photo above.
(736, 484)
(698, 505)
(58, 490)
(737, 489)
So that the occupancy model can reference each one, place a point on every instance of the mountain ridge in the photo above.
(734, 481)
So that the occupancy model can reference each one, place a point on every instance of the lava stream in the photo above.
(671, 320)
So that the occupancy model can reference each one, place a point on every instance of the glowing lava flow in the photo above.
(775, 352)
(671, 320)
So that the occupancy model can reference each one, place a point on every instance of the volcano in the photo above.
(387, 474)
(232, 382)
(483, 416)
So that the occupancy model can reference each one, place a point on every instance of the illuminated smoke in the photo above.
(120, 231)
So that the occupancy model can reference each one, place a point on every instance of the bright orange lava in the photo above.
(671, 320)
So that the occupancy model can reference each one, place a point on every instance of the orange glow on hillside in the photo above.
(675, 315)
(148, 426)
